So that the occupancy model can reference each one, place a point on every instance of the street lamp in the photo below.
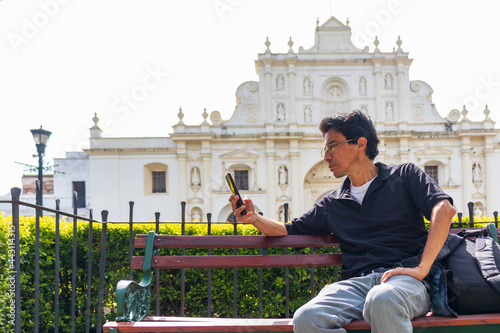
(41, 137)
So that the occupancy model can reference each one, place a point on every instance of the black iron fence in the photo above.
(94, 313)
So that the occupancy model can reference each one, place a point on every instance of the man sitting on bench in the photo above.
(377, 216)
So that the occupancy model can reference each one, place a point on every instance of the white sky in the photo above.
(61, 64)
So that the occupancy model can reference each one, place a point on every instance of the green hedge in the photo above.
(117, 268)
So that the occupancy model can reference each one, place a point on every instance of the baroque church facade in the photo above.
(271, 144)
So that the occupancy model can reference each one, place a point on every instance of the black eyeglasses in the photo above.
(331, 148)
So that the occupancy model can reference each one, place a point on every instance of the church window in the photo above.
(159, 184)
(241, 179)
(432, 171)
(155, 178)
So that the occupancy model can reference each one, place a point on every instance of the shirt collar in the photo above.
(384, 172)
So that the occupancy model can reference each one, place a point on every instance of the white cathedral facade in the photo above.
(271, 144)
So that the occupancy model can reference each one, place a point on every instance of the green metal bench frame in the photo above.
(133, 299)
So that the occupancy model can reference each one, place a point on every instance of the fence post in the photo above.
(37, 264)
(15, 193)
(287, 271)
(235, 274)
(495, 215)
(89, 271)
(470, 205)
(209, 272)
(102, 264)
(459, 220)
(157, 271)
(183, 252)
(74, 259)
(261, 310)
(56, 289)
(130, 239)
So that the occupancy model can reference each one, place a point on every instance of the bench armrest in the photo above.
(133, 299)
(493, 232)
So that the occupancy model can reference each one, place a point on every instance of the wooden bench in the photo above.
(133, 298)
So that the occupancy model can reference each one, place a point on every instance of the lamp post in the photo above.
(41, 137)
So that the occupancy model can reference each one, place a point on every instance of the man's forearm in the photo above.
(441, 216)
(269, 227)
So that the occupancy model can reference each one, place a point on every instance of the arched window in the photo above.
(155, 178)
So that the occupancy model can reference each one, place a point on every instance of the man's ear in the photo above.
(362, 142)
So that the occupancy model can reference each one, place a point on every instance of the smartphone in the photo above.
(232, 185)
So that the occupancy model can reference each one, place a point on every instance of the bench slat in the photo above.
(187, 324)
(240, 261)
(240, 241)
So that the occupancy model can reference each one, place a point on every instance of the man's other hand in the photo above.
(416, 272)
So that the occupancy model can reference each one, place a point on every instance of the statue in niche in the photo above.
(362, 86)
(389, 111)
(283, 175)
(282, 216)
(195, 177)
(476, 173)
(388, 82)
(364, 109)
(478, 210)
(307, 86)
(196, 216)
(307, 114)
(280, 112)
(280, 82)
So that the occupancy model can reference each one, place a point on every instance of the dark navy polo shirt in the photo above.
(386, 228)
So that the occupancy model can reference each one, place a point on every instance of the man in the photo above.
(377, 216)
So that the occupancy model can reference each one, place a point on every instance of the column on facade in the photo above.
(297, 203)
(255, 177)
(382, 149)
(271, 180)
(448, 171)
(379, 103)
(404, 150)
(207, 183)
(403, 93)
(183, 178)
(291, 92)
(489, 175)
(466, 173)
(268, 76)
(224, 171)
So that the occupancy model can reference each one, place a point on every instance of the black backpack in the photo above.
(466, 276)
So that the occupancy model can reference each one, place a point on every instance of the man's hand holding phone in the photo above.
(243, 210)
(247, 207)
(234, 189)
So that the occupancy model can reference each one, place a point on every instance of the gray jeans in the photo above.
(387, 307)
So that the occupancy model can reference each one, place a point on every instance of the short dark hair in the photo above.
(353, 125)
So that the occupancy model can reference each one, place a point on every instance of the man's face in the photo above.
(341, 161)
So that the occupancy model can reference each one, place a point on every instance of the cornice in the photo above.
(120, 151)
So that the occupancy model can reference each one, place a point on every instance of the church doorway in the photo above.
(318, 182)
